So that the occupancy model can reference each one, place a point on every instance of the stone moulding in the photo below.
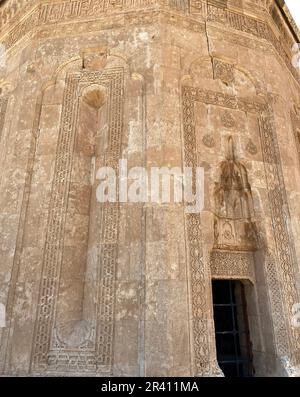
(288, 343)
(48, 354)
(65, 11)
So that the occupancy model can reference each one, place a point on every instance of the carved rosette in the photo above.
(228, 120)
(280, 274)
(223, 71)
(251, 148)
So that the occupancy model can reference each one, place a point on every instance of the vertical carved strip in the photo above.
(296, 129)
(280, 214)
(288, 337)
(198, 274)
(109, 240)
(94, 357)
(56, 219)
(275, 294)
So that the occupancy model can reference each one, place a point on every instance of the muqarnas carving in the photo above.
(234, 228)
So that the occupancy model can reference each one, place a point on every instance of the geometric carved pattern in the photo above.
(21, 29)
(67, 10)
(279, 210)
(227, 264)
(252, 26)
(199, 275)
(223, 71)
(286, 259)
(10, 10)
(96, 357)
(276, 300)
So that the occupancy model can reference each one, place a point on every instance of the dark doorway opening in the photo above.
(234, 352)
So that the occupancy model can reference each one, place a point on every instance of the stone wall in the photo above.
(125, 289)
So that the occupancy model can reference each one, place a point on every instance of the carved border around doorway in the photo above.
(288, 343)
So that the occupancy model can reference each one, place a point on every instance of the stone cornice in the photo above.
(288, 17)
(12, 10)
(59, 11)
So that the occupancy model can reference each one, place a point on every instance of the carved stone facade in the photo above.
(126, 289)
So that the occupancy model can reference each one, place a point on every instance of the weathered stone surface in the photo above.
(126, 288)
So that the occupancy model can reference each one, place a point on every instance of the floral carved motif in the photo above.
(227, 264)
(208, 140)
(251, 147)
(223, 71)
(228, 120)
(289, 340)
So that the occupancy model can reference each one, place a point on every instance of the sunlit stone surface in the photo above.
(124, 289)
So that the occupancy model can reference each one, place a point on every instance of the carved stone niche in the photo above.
(95, 58)
(74, 326)
(234, 228)
(196, 6)
(235, 233)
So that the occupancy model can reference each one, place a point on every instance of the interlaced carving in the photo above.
(286, 259)
(231, 264)
(66, 10)
(198, 273)
(48, 353)
(223, 71)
